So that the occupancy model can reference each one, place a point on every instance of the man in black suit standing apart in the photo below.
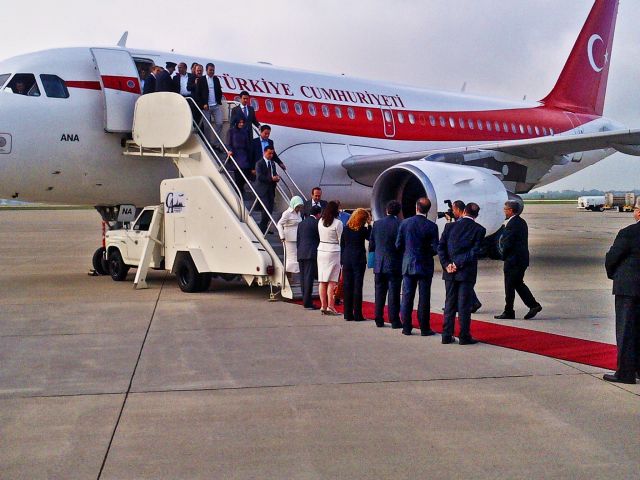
(308, 239)
(623, 267)
(417, 241)
(246, 111)
(164, 83)
(315, 200)
(459, 248)
(387, 268)
(266, 182)
(514, 245)
(263, 141)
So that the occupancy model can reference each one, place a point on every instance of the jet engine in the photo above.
(441, 182)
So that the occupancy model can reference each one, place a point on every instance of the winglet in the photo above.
(122, 43)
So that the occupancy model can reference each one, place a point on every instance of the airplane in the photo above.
(66, 113)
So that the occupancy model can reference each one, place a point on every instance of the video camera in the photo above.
(449, 213)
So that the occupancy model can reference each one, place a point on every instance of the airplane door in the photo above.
(389, 123)
(120, 87)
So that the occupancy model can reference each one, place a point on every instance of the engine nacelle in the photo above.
(406, 182)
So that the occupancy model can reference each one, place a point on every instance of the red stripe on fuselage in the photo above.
(83, 84)
(123, 84)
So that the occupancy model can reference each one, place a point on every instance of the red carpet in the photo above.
(576, 350)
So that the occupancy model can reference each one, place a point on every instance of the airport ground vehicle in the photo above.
(593, 203)
(622, 203)
(204, 225)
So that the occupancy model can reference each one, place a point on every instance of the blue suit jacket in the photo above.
(418, 242)
(308, 239)
(461, 243)
(388, 259)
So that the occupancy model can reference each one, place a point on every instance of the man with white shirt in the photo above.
(183, 81)
(514, 247)
(209, 98)
(266, 181)
(315, 200)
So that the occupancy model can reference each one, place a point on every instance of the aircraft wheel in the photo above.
(188, 277)
(100, 264)
(117, 268)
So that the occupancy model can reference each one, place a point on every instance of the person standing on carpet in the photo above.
(418, 242)
(330, 230)
(308, 239)
(623, 267)
(353, 257)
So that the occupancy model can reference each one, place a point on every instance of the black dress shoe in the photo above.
(361, 319)
(380, 323)
(612, 377)
(446, 339)
(396, 326)
(427, 333)
(505, 316)
(348, 319)
(468, 341)
(533, 312)
(476, 307)
(406, 333)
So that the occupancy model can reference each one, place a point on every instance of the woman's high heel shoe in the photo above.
(332, 312)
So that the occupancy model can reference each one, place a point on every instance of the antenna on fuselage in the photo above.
(122, 43)
(464, 87)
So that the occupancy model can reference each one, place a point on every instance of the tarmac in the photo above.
(98, 380)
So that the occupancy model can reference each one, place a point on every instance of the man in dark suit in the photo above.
(315, 200)
(209, 97)
(150, 81)
(266, 181)
(623, 267)
(164, 83)
(417, 241)
(246, 111)
(183, 81)
(387, 268)
(514, 245)
(260, 143)
(308, 239)
(459, 248)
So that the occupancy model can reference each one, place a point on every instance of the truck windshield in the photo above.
(144, 221)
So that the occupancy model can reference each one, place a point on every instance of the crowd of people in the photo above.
(321, 245)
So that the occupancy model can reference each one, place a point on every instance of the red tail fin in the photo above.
(583, 82)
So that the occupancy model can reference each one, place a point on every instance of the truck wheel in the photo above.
(117, 268)
(100, 264)
(188, 277)
(601, 209)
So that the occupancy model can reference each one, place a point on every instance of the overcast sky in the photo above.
(500, 48)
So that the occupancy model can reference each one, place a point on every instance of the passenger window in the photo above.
(3, 79)
(537, 131)
(470, 123)
(521, 129)
(544, 130)
(24, 84)
(338, 112)
(496, 125)
(432, 120)
(312, 110)
(144, 221)
(529, 131)
(551, 130)
(461, 122)
(325, 110)
(269, 105)
(387, 116)
(505, 127)
(255, 104)
(369, 115)
(284, 106)
(479, 124)
(488, 125)
(452, 122)
(423, 120)
(443, 122)
(412, 119)
(351, 113)
(54, 86)
(298, 108)
(513, 128)
(400, 117)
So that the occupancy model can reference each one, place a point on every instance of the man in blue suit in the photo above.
(307, 241)
(387, 267)
(418, 242)
(459, 248)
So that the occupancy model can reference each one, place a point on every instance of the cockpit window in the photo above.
(54, 86)
(3, 79)
(24, 84)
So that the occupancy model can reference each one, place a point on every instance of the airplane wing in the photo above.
(626, 141)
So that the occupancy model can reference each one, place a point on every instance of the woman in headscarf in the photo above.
(354, 262)
(288, 230)
(330, 230)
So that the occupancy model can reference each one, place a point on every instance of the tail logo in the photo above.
(596, 38)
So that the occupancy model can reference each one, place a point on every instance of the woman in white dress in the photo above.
(288, 231)
(330, 230)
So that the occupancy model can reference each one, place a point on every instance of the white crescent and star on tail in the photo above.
(595, 38)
